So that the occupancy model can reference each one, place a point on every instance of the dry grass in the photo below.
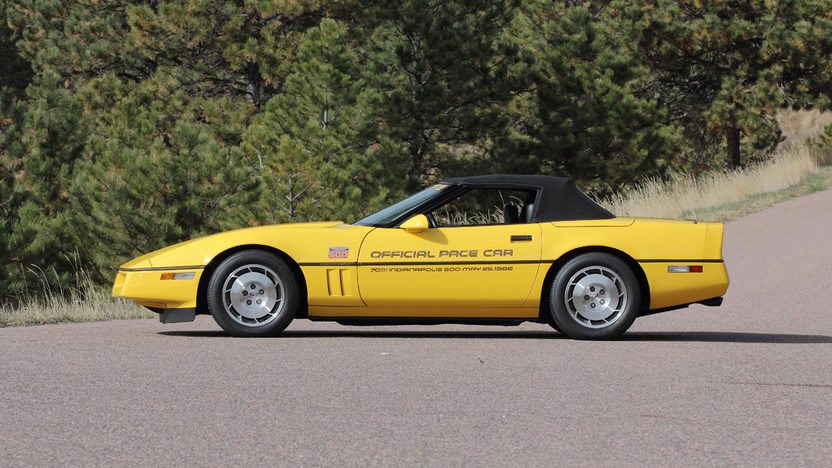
(88, 303)
(798, 125)
(726, 195)
(822, 147)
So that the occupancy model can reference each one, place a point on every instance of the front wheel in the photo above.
(594, 296)
(253, 293)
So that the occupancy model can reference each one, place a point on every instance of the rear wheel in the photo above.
(253, 293)
(594, 296)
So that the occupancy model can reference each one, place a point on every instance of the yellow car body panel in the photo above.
(673, 289)
(462, 267)
(655, 244)
(499, 285)
(308, 243)
(409, 269)
(487, 313)
(148, 289)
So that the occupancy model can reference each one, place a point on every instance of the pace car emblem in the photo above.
(339, 252)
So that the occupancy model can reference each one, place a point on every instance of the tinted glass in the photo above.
(393, 212)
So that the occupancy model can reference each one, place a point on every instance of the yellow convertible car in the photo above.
(497, 249)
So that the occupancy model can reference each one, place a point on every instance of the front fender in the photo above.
(307, 242)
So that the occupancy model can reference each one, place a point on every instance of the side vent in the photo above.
(339, 282)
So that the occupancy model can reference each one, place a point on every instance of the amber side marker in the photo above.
(178, 276)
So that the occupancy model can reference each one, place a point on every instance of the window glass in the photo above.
(484, 206)
(392, 212)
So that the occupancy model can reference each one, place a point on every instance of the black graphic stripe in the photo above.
(485, 262)
(337, 264)
(680, 261)
(488, 262)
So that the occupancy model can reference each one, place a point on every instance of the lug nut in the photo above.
(253, 287)
(261, 291)
(248, 302)
(245, 293)
(601, 301)
(603, 292)
(592, 305)
(592, 288)
(259, 301)
(586, 298)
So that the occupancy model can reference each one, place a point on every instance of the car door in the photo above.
(476, 252)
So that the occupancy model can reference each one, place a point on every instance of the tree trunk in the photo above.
(255, 83)
(414, 174)
(733, 160)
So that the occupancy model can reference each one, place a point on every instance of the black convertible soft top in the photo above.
(559, 199)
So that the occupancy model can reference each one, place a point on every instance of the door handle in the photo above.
(524, 238)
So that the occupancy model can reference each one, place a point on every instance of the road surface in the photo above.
(748, 383)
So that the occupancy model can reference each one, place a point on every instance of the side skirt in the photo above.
(382, 321)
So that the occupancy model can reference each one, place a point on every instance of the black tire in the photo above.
(273, 324)
(551, 322)
(566, 314)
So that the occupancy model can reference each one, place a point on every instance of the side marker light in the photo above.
(684, 269)
(178, 276)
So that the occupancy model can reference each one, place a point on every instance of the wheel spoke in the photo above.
(253, 295)
(595, 296)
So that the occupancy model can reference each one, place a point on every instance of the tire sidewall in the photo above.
(560, 315)
(291, 293)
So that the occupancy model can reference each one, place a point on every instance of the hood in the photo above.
(199, 252)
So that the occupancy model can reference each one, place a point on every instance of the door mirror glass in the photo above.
(417, 223)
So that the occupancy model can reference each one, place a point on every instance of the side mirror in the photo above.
(416, 224)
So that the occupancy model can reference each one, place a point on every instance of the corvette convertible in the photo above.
(497, 249)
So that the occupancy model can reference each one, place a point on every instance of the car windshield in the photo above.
(393, 212)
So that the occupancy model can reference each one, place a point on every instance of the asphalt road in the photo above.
(749, 383)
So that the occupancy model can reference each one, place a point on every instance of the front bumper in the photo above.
(175, 315)
(146, 287)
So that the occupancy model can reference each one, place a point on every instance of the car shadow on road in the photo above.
(652, 336)
(726, 337)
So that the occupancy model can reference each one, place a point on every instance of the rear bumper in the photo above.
(713, 302)
(673, 290)
(146, 287)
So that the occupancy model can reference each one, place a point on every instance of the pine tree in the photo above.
(317, 143)
(92, 56)
(588, 114)
(15, 70)
(128, 125)
(156, 174)
(446, 75)
(728, 66)
(222, 48)
(52, 134)
(82, 38)
(10, 166)
(15, 77)
(51, 127)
